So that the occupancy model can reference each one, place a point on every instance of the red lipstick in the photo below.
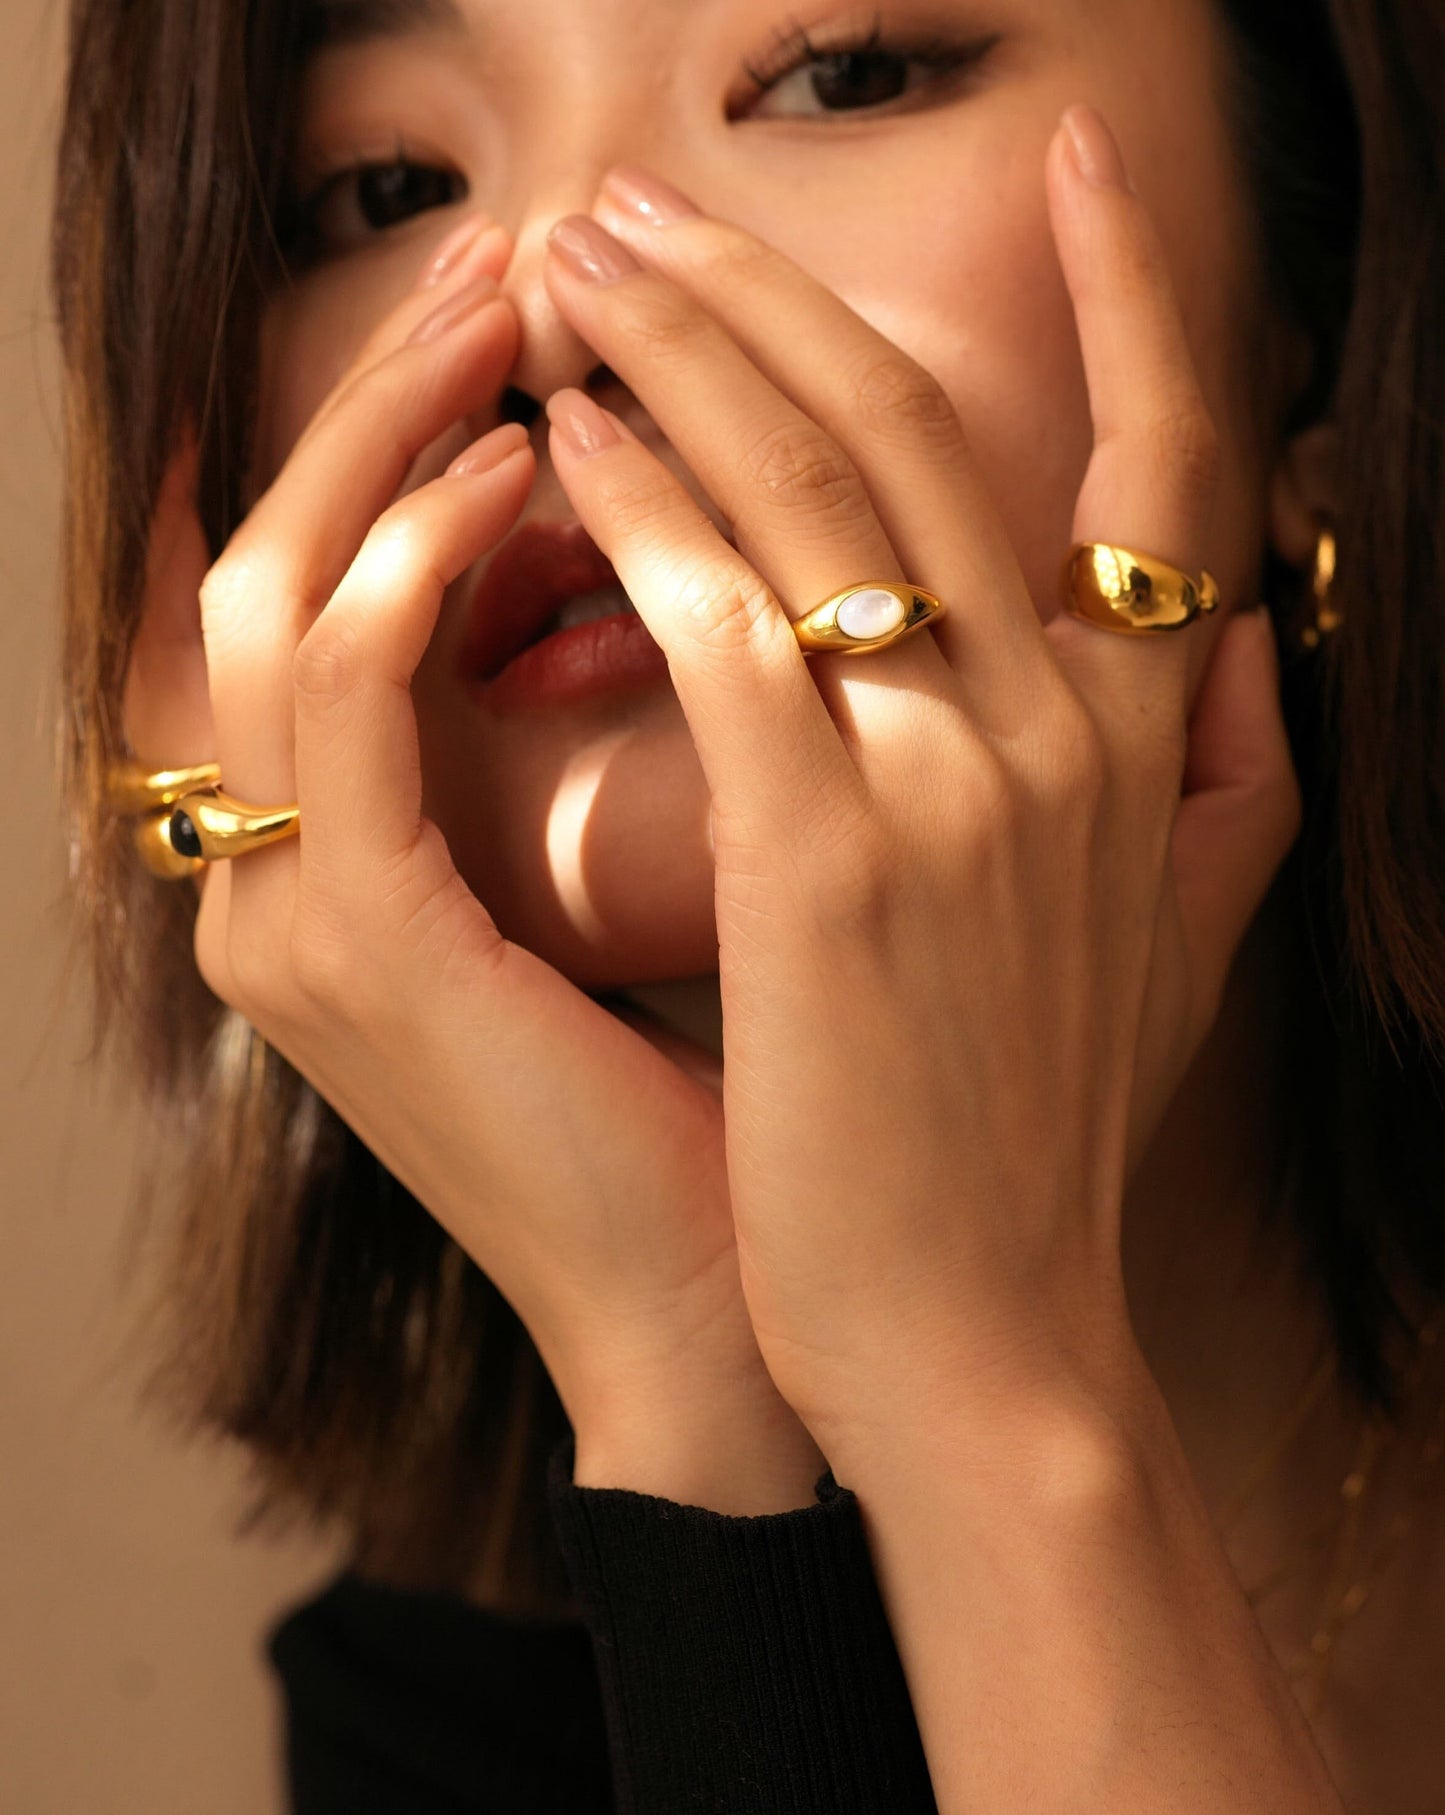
(509, 654)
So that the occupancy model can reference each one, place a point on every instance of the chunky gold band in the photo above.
(1120, 589)
(132, 789)
(184, 821)
(212, 827)
(866, 616)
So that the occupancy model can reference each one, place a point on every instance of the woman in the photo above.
(861, 1059)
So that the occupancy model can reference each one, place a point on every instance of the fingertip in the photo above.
(490, 451)
(1094, 153)
(471, 248)
(580, 426)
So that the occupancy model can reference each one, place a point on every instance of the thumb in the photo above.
(1241, 808)
(700, 1064)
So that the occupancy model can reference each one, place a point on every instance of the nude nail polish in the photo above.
(581, 425)
(1096, 151)
(449, 254)
(646, 197)
(453, 311)
(589, 251)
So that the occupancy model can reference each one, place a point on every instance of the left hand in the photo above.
(970, 934)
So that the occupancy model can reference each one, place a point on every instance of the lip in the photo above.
(581, 663)
(530, 576)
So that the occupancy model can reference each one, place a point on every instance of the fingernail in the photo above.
(582, 427)
(475, 257)
(1096, 152)
(489, 451)
(589, 251)
(454, 310)
(646, 196)
(448, 254)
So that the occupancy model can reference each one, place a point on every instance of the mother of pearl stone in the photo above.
(870, 613)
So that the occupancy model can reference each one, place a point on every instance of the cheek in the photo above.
(308, 342)
(986, 312)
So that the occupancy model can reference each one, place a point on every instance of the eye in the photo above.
(801, 78)
(359, 201)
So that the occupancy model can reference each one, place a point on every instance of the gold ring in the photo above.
(184, 821)
(866, 616)
(1123, 590)
(131, 789)
(213, 827)
(152, 839)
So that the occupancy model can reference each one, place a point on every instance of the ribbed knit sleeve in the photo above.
(746, 1664)
(405, 1703)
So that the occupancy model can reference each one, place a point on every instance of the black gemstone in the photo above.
(185, 840)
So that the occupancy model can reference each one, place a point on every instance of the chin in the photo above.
(644, 938)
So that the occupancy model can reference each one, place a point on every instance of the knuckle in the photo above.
(227, 589)
(1282, 806)
(665, 329)
(638, 508)
(1185, 444)
(895, 399)
(216, 583)
(728, 255)
(326, 661)
(992, 804)
(724, 605)
(798, 467)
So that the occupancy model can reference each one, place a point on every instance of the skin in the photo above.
(985, 311)
(989, 314)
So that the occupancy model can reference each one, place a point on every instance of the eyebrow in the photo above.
(328, 24)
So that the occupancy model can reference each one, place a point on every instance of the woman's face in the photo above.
(583, 828)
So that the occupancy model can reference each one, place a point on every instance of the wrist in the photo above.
(1067, 1422)
(736, 1447)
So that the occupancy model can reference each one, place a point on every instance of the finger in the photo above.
(891, 416)
(477, 247)
(289, 554)
(167, 705)
(1151, 479)
(768, 747)
(358, 763)
(1241, 809)
(699, 1062)
(797, 503)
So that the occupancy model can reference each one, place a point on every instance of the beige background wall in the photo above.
(131, 1676)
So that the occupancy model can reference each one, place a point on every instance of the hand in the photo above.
(564, 1147)
(970, 934)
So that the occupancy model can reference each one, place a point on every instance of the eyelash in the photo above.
(297, 227)
(793, 48)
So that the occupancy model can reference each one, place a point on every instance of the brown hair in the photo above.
(312, 1308)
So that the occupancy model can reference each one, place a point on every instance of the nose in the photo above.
(551, 354)
(564, 179)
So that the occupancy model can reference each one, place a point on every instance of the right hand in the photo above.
(576, 1154)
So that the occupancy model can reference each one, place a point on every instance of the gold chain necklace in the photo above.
(1347, 1589)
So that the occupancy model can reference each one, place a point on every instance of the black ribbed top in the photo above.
(733, 1665)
